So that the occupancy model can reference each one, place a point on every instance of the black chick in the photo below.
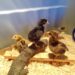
(36, 33)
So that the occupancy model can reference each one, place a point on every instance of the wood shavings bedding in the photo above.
(4, 65)
(41, 68)
(47, 69)
(12, 53)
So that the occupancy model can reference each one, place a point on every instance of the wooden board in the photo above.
(45, 60)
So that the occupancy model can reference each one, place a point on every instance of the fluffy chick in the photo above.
(21, 44)
(54, 33)
(58, 48)
(35, 34)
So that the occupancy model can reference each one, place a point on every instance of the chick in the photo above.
(36, 33)
(58, 48)
(21, 44)
(56, 32)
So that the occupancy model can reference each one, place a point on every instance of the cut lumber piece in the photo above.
(50, 60)
(44, 60)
